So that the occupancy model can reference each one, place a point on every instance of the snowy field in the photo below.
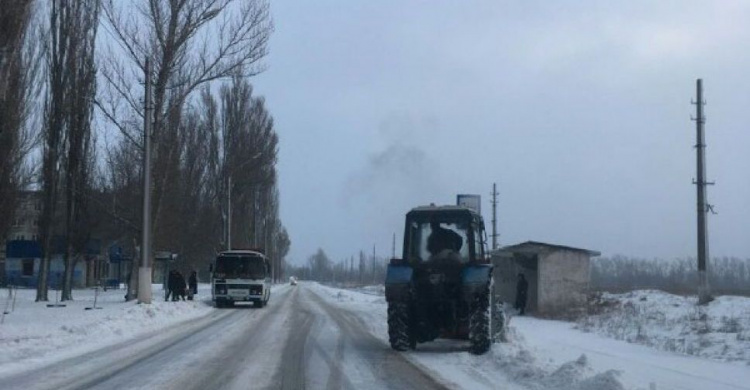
(544, 354)
(718, 331)
(33, 335)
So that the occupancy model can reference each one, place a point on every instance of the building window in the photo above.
(28, 267)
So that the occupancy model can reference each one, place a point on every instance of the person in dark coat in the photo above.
(522, 289)
(180, 286)
(193, 285)
(170, 286)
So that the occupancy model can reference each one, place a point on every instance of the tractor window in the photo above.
(436, 240)
(479, 241)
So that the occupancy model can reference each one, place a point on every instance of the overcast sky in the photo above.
(580, 111)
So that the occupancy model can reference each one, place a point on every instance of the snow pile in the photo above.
(515, 359)
(719, 330)
(36, 334)
(509, 365)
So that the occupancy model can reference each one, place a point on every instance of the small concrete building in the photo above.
(558, 275)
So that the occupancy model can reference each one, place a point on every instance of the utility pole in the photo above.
(144, 272)
(704, 293)
(229, 213)
(393, 247)
(373, 263)
(494, 216)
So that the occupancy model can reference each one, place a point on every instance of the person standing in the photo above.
(180, 287)
(522, 289)
(170, 286)
(193, 285)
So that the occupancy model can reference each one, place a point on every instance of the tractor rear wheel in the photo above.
(480, 325)
(398, 326)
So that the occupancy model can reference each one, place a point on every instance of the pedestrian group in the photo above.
(178, 289)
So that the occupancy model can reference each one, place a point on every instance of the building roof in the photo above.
(238, 252)
(433, 207)
(422, 212)
(535, 247)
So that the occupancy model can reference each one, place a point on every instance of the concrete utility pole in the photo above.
(144, 272)
(704, 293)
(229, 213)
(494, 216)
(393, 247)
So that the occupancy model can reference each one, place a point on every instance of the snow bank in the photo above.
(34, 334)
(719, 330)
(510, 365)
(516, 360)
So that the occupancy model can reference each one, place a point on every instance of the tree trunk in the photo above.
(67, 285)
(133, 279)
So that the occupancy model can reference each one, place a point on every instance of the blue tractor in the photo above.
(442, 287)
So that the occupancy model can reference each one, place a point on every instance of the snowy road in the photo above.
(298, 341)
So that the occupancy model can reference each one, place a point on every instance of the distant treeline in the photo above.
(366, 270)
(727, 275)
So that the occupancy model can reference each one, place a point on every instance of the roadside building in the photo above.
(558, 275)
(24, 257)
(25, 227)
(21, 252)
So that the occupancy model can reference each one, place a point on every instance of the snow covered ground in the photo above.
(33, 334)
(719, 330)
(323, 336)
(544, 354)
(507, 366)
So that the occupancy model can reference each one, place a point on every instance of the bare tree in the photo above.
(190, 43)
(54, 142)
(79, 21)
(320, 266)
(15, 16)
(20, 61)
(248, 156)
(121, 204)
(67, 157)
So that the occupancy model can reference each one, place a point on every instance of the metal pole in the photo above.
(393, 247)
(704, 295)
(494, 216)
(144, 272)
(229, 214)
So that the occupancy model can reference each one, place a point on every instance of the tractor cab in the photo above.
(437, 234)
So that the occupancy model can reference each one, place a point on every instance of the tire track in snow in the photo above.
(392, 369)
(291, 374)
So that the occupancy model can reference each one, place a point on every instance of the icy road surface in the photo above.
(298, 341)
